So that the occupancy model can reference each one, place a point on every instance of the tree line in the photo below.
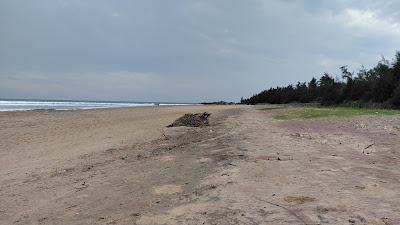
(378, 87)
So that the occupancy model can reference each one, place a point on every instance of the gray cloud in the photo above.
(184, 50)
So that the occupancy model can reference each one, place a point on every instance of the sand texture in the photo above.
(123, 166)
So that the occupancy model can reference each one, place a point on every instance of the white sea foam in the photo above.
(26, 105)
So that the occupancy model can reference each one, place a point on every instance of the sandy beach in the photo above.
(123, 166)
(46, 139)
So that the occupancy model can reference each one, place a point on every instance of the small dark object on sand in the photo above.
(369, 146)
(191, 120)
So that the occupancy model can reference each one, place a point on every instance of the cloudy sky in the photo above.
(184, 50)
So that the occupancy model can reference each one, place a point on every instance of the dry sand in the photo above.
(122, 166)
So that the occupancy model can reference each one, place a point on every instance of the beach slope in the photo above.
(123, 166)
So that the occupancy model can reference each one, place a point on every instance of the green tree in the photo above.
(349, 86)
(329, 90)
(312, 90)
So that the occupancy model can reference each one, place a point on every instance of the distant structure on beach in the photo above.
(218, 103)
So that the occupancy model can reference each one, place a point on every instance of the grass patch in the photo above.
(310, 113)
(271, 107)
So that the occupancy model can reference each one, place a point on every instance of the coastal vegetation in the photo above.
(319, 112)
(376, 87)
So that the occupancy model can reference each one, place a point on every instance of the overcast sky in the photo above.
(185, 50)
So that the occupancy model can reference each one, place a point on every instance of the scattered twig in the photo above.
(369, 146)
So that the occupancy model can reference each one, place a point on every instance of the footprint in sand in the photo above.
(299, 199)
(204, 160)
(167, 158)
(167, 189)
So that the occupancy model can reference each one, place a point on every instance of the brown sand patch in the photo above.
(299, 199)
(167, 158)
(204, 160)
(220, 181)
(167, 189)
(266, 157)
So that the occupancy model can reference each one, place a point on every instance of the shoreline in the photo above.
(99, 108)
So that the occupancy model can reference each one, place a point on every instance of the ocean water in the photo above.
(27, 105)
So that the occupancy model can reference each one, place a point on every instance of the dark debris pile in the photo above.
(191, 120)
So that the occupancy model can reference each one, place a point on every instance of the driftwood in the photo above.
(191, 120)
